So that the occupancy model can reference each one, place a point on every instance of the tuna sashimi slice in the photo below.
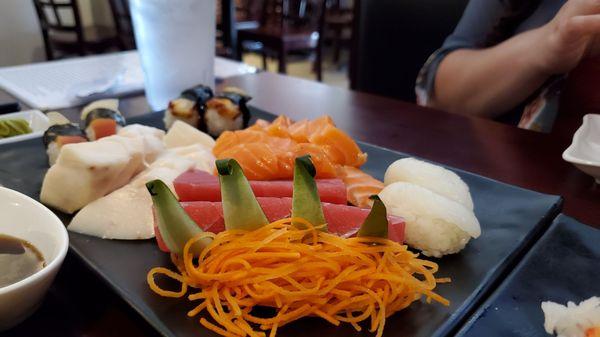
(196, 185)
(342, 220)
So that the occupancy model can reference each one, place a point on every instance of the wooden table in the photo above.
(81, 305)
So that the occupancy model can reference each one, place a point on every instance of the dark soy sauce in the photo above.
(18, 260)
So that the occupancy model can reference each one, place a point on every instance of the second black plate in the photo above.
(562, 266)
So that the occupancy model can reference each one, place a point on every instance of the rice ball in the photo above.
(432, 177)
(573, 320)
(435, 224)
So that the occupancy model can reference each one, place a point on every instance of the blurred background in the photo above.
(355, 44)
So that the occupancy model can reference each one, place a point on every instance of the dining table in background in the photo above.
(80, 304)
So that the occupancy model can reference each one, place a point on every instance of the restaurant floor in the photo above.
(333, 74)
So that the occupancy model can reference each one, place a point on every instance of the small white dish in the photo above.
(27, 219)
(584, 151)
(38, 122)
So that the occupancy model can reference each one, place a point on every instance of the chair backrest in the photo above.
(59, 16)
(248, 10)
(393, 39)
(296, 12)
(123, 24)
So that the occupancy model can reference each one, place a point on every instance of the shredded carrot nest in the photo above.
(299, 272)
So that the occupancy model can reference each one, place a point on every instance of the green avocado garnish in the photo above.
(175, 226)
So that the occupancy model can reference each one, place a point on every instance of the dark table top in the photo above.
(80, 305)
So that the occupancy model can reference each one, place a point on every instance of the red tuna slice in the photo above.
(342, 220)
(196, 185)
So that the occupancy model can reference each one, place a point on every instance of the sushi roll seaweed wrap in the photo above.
(189, 106)
(103, 122)
(226, 112)
(59, 135)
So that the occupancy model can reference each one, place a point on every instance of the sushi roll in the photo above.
(102, 122)
(189, 106)
(59, 135)
(102, 118)
(226, 112)
(573, 320)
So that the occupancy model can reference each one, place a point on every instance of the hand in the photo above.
(573, 34)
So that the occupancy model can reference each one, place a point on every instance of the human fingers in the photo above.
(583, 25)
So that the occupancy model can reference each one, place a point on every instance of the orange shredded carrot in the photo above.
(298, 272)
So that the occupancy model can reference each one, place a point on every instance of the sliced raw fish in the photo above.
(152, 139)
(342, 220)
(359, 186)
(266, 151)
(126, 213)
(87, 171)
(198, 185)
(183, 134)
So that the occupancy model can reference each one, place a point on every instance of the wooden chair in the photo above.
(64, 34)
(338, 25)
(123, 24)
(287, 26)
(232, 16)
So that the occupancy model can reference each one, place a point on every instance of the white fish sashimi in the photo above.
(434, 224)
(87, 171)
(152, 139)
(182, 134)
(126, 214)
(572, 320)
(201, 156)
(432, 177)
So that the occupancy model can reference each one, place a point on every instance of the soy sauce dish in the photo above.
(33, 245)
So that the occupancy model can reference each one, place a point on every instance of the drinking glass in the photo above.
(176, 44)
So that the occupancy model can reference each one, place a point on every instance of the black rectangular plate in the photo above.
(512, 218)
(562, 266)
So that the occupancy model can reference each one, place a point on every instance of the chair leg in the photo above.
(239, 50)
(47, 47)
(282, 67)
(336, 45)
(319, 61)
(263, 53)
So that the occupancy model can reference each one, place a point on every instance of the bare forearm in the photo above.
(488, 82)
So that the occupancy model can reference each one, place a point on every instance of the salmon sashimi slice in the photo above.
(229, 139)
(359, 186)
(342, 220)
(266, 151)
(264, 161)
(197, 185)
(342, 149)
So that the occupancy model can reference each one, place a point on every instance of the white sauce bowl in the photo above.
(27, 219)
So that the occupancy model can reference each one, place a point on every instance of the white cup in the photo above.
(176, 43)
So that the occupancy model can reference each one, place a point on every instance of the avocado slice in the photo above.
(306, 203)
(241, 210)
(175, 226)
(376, 223)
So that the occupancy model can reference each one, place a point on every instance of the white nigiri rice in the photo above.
(572, 320)
(181, 109)
(435, 224)
(431, 177)
(216, 123)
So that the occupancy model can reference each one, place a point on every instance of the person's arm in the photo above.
(488, 82)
